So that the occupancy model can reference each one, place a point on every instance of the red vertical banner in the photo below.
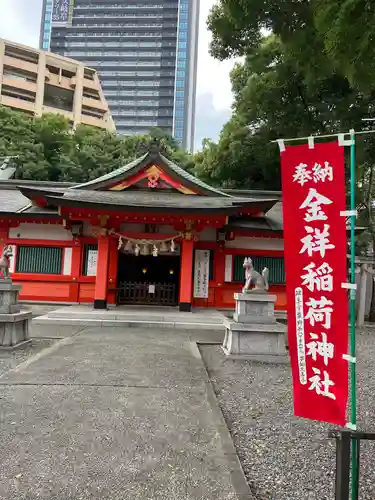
(313, 182)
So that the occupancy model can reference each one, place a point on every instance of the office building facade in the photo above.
(145, 52)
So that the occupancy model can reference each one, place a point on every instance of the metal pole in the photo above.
(342, 488)
(353, 375)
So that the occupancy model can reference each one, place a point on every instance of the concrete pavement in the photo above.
(114, 413)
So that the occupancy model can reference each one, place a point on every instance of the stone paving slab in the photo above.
(54, 331)
(138, 313)
(60, 442)
(125, 323)
(134, 317)
(106, 414)
(11, 359)
(147, 335)
(80, 361)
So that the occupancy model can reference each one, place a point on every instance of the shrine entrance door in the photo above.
(145, 279)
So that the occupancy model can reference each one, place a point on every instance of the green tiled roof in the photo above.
(125, 171)
(191, 178)
(111, 175)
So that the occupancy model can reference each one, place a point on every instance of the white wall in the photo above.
(67, 263)
(34, 231)
(256, 243)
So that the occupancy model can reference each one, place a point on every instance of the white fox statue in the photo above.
(260, 281)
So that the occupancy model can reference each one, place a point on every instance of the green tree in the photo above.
(320, 34)
(47, 149)
(347, 30)
(273, 99)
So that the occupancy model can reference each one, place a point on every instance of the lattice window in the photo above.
(39, 260)
(274, 264)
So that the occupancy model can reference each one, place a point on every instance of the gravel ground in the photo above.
(10, 359)
(285, 458)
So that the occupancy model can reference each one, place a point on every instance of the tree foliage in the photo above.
(47, 149)
(308, 70)
(273, 98)
(321, 34)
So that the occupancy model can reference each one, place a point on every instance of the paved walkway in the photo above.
(114, 414)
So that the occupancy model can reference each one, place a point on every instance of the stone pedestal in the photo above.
(14, 324)
(254, 332)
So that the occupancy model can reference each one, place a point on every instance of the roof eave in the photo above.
(61, 201)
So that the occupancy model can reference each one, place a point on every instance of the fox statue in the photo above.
(260, 281)
(5, 262)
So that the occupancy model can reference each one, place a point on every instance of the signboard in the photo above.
(201, 274)
(228, 272)
(313, 181)
(12, 259)
(92, 262)
(60, 13)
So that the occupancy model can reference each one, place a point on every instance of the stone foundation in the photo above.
(254, 332)
(14, 325)
(254, 307)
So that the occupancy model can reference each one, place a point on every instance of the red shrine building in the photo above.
(146, 233)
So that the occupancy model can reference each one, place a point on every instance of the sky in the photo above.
(20, 22)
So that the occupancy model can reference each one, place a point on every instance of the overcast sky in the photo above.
(20, 22)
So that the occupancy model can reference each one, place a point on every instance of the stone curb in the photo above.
(237, 474)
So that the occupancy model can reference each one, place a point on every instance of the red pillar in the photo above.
(186, 275)
(102, 269)
(113, 266)
(219, 266)
(76, 269)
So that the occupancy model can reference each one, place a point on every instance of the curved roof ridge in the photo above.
(191, 178)
(113, 173)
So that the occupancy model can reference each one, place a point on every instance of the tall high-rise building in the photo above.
(145, 52)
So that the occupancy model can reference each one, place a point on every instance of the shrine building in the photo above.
(146, 233)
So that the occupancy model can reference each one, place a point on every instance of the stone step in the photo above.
(129, 323)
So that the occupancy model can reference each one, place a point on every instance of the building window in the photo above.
(274, 264)
(39, 260)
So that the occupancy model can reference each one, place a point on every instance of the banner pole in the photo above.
(353, 374)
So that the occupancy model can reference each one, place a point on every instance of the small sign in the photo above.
(201, 274)
(60, 11)
(151, 288)
(228, 273)
(92, 262)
